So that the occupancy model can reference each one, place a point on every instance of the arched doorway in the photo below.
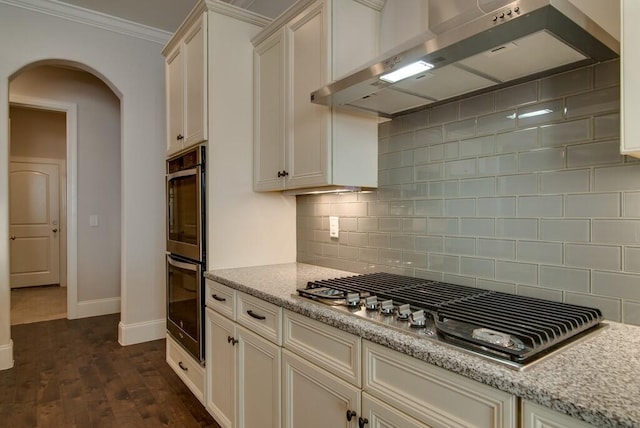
(90, 238)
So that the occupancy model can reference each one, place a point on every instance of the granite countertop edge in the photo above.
(541, 384)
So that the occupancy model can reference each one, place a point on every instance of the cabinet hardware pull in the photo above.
(231, 340)
(282, 173)
(13, 238)
(256, 316)
(186, 369)
(218, 298)
(54, 230)
(350, 415)
(362, 422)
(180, 137)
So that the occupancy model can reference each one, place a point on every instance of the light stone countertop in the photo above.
(596, 380)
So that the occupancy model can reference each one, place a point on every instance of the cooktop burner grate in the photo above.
(515, 327)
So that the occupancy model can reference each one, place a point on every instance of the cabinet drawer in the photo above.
(220, 298)
(433, 395)
(186, 367)
(334, 350)
(260, 317)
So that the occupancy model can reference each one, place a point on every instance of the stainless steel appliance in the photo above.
(185, 303)
(513, 330)
(472, 47)
(185, 204)
(186, 249)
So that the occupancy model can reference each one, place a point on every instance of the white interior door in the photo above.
(34, 224)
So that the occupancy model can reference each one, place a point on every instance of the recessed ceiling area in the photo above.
(167, 15)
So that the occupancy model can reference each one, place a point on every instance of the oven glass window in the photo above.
(183, 299)
(183, 209)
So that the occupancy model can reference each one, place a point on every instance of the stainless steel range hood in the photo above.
(518, 41)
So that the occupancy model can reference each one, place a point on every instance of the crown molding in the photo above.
(92, 18)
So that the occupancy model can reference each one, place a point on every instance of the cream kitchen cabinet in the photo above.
(243, 372)
(431, 395)
(377, 414)
(535, 416)
(314, 398)
(630, 85)
(186, 367)
(186, 76)
(299, 144)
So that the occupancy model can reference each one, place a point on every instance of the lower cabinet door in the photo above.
(221, 368)
(376, 414)
(535, 416)
(258, 381)
(314, 398)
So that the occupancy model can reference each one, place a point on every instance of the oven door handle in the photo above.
(185, 173)
(182, 265)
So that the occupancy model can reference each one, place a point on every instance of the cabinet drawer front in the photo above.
(332, 349)
(433, 395)
(220, 298)
(186, 367)
(260, 317)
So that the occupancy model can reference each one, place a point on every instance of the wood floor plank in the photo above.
(73, 373)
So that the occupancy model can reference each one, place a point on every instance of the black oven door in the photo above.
(184, 304)
(185, 207)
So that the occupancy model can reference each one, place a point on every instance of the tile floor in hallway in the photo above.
(33, 304)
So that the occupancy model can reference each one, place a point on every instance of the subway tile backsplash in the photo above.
(473, 192)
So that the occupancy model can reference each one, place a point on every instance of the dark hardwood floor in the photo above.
(75, 374)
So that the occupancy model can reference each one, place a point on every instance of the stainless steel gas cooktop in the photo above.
(512, 330)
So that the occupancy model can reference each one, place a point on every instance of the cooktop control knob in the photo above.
(371, 303)
(404, 311)
(386, 307)
(353, 299)
(417, 319)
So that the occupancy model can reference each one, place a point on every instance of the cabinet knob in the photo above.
(362, 422)
(282, 174)
(231, 340)
(13, 238)
(350, 415)
(180, 137)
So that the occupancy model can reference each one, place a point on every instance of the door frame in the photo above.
(70, 189)
(62, 204)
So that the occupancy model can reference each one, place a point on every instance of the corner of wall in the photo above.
(6, 356)
(130, 334)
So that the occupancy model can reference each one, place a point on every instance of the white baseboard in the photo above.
(95, 308)
(6, 356)
(141, 332)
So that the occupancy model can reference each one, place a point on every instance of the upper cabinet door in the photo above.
(195, 83)
(630, 85)
(269, 114)
(175, 110)
(187, 93)
(308, 151)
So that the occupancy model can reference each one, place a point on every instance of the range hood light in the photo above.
(530, 114)
(325, 190)
(406, 71)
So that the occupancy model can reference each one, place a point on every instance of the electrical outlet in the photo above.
(334, 227)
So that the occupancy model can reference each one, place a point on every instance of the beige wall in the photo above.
(98, 167)
(37, 133)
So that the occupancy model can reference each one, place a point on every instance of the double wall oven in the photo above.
(186, 248)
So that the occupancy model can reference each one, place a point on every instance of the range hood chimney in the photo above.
(474, 51)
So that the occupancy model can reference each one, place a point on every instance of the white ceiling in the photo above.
(168, 14)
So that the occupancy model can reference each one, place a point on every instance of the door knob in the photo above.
(13, 238)
(54, 230)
